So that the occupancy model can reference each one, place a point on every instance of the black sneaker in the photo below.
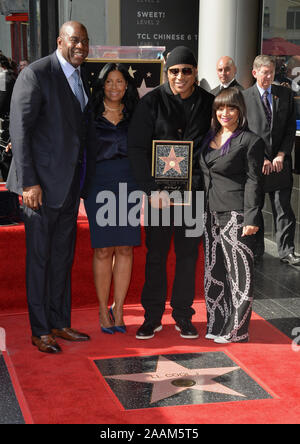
(186, 328)
(147, 330)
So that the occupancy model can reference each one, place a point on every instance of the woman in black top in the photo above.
(114, 99)
(231, 161)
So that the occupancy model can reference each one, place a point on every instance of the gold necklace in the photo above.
(112, 109)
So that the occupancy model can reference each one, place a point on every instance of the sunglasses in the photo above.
(184, 71)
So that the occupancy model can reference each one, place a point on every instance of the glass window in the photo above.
(297, 20)
(267, 17)
(281, 39)
(290, 19)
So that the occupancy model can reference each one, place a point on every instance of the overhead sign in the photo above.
(17, 17)
(168, 23)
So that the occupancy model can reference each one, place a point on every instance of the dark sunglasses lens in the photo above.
(185, 71)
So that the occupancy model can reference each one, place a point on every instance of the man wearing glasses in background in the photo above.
(271, 115)
(178, 110)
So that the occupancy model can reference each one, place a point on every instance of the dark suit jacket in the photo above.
(217, 90)
(233, 182)
(281, 136)
(48, 132)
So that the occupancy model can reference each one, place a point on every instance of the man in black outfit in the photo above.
(7, 81)
(177, 110)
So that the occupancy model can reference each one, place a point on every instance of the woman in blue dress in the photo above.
(113, 238)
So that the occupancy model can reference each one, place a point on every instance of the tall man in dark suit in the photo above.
(226, 71)
(271, 115)
(50, 127)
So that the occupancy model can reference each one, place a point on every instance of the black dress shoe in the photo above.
(148, 329)
(291, 259)
(186, 328)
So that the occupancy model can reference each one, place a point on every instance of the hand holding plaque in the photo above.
(172, 168)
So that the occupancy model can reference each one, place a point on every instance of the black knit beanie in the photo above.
(181, 55)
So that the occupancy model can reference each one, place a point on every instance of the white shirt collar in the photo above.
(226, 85)
(67, 68)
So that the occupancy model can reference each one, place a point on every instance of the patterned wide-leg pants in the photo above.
(229, 268)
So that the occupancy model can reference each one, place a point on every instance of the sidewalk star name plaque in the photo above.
(140, 382)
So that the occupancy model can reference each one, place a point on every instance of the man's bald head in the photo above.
(226, 69)
(73, 42)
(67, 26)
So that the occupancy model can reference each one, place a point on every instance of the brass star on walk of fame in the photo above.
(172, 161)
(132, 71)
(171, 378)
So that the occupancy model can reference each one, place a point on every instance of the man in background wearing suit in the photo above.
(50, 127)
(271, 115)
(226, 71)
(7, 81)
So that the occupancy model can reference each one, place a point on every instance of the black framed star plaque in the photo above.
(147, 73)
(172, 168)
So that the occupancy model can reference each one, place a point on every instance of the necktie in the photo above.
(267, 107)
(78, 91)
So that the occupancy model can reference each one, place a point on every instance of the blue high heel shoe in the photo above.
(120, 328)
(117, 328)
(108, 330)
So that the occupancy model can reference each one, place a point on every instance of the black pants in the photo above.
(154, 294)
(50, 242)
(284, 224)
